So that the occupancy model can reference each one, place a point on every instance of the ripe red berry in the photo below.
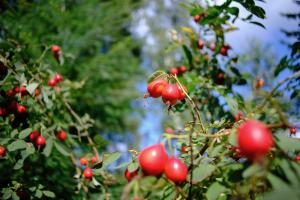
(10, 92)
(23, 91)
(156, 87)
(293, 130)
(33, 135)
(153, 159)
(94, 159)
(182, 95)
(185, 149)
(197, 18)
(169, 130)
(227, 46)
(255, 139)
(130, 175)
(52, 82)
(58, 78)
(36, 92)
(174, 71)
(176, 170)
(2, 151)
(88, 173)
(224, 51)
(61, 135)
(21, 108)
(297, 158)
(55, 49)
(3, 112)
(259, 83)
(170, 94)
(200, 44)
(84, 161)
(182, 69)
(212, 46)
(17, 90)
(237, 117)
(220, 75)
(40, 141)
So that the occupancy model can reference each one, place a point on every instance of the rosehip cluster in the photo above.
(37, 138)
(55, 80)
(88, 172)
(154, 161)
(12, 107)
(178, 70)
(170, 93)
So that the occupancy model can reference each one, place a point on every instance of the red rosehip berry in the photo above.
(227, 46)
(2, 151)
(169, 130)
(17, 90)
(36, 92)
(220, 75)
(297, 158)
(259, 83)
(33, 135)
(10, 92)
(23, 91)
(153, 159)
(223, 51)
(185, 149)
(88, 173)
(293, 130)
(170, 94)
(21, 108)
(130, 175)
(176, 170)
(52, 82)
(182, 69)
(58, 78)
(55, 49)
(174, 71)
(197, 18)
(61, 135)
(182, 95)
(94, 159)
(40, 141)
(255, 139)
(156, 87)
(200, 44)
(84, 161)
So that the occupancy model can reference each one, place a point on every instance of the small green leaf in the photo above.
(110, 158)
(288, 144)
(25, 133)
(233, 10)
(16, 145)
(125, 164)
(95, 182)
(133, 166)
(188, 54)
(156, 75)
(250, 171)
(31, 88)
(214, 191)
(48, 149)
(48, 193)
(202, 172)
(38, 194)
(62, 149)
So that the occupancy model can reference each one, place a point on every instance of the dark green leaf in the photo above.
(133, 166)
(25, 133)
(48, 193)
(62, 149)
(48, 148)
(215, 190)
(188, 54)
(110, 158)
(202, 172)
(18, 144)
(233, 10)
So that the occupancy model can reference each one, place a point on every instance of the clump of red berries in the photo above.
(55, 80)
(178, 70)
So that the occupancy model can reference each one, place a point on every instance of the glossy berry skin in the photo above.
(200, 44)
(10, 92)
(130, 175)
(52, 82)
(21, 108)
(84, 161)
(88, 173)
(156, 87)
(61, 135)
(17, 90)
(153, 159)
(182, 69)
(40, 141)
(297, 158)
(23, 91)
(94, 159)
(36, 92)
(197, 18)
(55, 49)
(33, 135)
(174, 71)
(169, 130)
(176, 170)
(58, 78)
(223, 51)
(293, 130)
(170, 94)
(254, 139)
(182, 95)
(2, 151)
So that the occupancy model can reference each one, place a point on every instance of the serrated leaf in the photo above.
(62, 149)
(214, 191)
(202, 172)
(48, 149)
(31, 88)
(48, 193)
(156, 75)
(133, 166)
(16, 145)
(25, 133)
(110, 158)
